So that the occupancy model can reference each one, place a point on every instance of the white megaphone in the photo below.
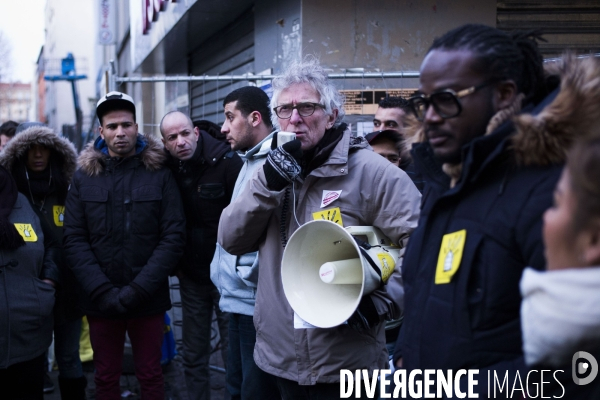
(325, 272)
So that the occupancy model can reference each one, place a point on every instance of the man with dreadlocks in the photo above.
(480, 223)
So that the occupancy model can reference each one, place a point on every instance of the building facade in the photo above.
(155, 38)
(69, 29)
(15, 102)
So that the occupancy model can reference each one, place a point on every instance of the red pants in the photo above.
(108, 339)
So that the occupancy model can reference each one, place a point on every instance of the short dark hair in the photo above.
(9, 128)
(394, 136)
(501, 55)
(250, 99)
(395, 102)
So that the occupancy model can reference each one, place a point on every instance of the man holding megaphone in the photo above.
(320, 174)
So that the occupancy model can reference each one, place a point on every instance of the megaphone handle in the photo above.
(369, 233)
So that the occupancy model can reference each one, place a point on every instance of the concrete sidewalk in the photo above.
(174, 382)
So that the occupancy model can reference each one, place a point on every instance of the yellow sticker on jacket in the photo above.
(59, 215)
(450, 255)
(27, 232)
(387, 265)
(331, 214)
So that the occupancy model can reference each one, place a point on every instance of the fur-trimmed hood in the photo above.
(92, 160)
(574, 113)
(41, 135)
(545, 138)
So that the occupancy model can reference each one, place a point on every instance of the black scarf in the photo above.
(10, 238)
(314, 158)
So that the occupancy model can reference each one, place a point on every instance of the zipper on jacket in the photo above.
(127, 203)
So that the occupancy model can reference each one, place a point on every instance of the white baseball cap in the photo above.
(114, 101)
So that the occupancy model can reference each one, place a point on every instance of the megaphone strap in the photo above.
(282, 222)
(367, 257)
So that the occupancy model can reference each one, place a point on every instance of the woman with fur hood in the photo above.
(28, 276)
(42, 164)
(560, 316)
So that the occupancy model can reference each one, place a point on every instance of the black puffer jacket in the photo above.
(206, 182)
(485, 231)
(124, 223)
(48, 201)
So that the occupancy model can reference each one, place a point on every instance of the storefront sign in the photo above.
(367, 101)
(107, 33)
(150, 10)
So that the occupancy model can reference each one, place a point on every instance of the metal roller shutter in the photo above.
(228, 52)
(566, 24)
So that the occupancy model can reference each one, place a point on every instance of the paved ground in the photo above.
(174, 382)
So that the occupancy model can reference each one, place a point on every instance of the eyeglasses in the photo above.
(304, 109)
(445, 102)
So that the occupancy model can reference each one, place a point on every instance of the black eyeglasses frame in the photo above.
(314, 105)
(455, 95)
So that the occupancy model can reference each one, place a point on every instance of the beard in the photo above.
(245, 140)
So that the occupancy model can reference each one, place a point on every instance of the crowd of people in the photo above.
(487, 179)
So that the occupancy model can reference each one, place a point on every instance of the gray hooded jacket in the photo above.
(236, 277)
(374, 192)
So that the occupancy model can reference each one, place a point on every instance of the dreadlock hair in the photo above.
(501, 55)
(395, 102)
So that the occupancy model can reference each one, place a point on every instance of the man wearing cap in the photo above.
(387, 144)
(124, 234)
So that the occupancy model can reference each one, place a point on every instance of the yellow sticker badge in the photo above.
(331, 214)
(59, 215)
(387, 265)
(27, 232)
(450, 255)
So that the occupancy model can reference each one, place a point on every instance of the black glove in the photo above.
(281, 167)
(365, 317)
(130, 297)
(108, 302)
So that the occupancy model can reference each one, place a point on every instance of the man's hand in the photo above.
(365, 317)
(281, 167)
(130, 297)
(108, 302)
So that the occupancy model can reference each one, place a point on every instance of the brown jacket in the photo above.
(373, 192)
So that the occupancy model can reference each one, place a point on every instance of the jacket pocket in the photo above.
(46, 296)
(31, 308)
(210, 191)
(95, 199)
(145, 214)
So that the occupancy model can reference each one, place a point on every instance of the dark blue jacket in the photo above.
(473, 321)
(124, 223)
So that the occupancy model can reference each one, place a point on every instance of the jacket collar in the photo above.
(92, 159)
(337, 163)
(261, 149)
